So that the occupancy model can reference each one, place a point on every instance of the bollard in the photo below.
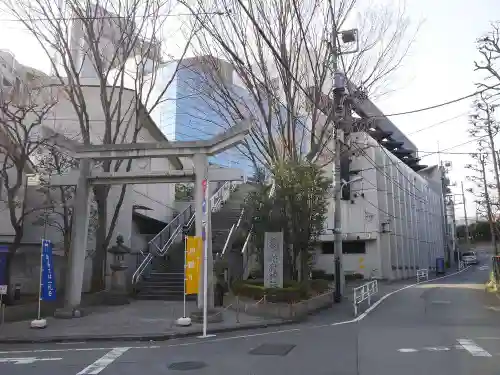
(237, 309)
(2, 310)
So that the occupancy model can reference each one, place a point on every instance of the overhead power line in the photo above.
(443, 104)
(443, 151)
(438, 123)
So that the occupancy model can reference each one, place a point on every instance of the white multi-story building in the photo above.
(145, 210)
(392, 212)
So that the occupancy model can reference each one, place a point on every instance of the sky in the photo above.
(438, 68)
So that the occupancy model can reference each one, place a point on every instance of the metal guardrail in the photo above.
(174, 229)
(422, 274)
(363, 293)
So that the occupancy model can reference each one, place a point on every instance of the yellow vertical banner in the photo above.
(193, 264)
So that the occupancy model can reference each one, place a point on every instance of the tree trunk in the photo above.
(491, 218)
(99, 256)
(304, 264)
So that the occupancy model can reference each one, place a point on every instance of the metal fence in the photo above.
(422, 274)
(364, 293)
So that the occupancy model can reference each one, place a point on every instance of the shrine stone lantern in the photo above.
(118, 294)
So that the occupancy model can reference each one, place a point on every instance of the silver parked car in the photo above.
(470, 257)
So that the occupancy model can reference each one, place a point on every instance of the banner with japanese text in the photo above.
(48, 290)
(193, 264)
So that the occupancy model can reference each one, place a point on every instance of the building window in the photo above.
(327, 247)
(353, 247)
(348, 247)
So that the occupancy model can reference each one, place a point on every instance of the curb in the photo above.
(144, 337)
(197, 332)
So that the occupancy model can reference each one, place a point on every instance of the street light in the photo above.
(337, 231)
(344, 182)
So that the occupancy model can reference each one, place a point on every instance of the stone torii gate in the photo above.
(85, 177)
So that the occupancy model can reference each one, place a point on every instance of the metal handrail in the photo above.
(233, 227)
(227, 240)
(168, 228)
(219, 197)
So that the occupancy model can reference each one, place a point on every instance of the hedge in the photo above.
(291, 291)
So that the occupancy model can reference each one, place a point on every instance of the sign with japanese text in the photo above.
(273, 260)
(4, 250)
(48, 289)
(193, 264)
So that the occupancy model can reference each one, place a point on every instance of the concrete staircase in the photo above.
(165, 280)
(223, 220)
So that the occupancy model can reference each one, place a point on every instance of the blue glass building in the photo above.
(189, 110)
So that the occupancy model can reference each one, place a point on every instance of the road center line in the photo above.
(103, 362)
(473, 348)
(74, 349)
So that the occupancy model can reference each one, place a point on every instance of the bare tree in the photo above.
(484, 200)
(119, 45)
(271, 62)
(485, 127)
(57, 212)
(20, 139)
(488, 47)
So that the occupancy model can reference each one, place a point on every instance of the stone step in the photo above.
(161, 284)
(166, 297)
(161, 291)
(165, 276)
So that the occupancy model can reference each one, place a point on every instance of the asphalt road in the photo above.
(447, 327)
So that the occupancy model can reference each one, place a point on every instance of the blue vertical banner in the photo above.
(3, 264)
(48, 287)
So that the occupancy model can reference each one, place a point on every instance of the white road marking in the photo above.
(431, 349)
(437, 349)
(473, 348)
(494, 308)
(74, 350)
(103, 362)
(385, 296)
(27, 360)
(355, 320)
(71, 343)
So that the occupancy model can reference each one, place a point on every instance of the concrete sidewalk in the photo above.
(155, 321)
(139, 321)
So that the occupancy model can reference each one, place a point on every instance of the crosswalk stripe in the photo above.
(473, 348)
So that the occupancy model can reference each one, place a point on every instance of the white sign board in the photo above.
(3, 290)
(273, 260)
(33, 179)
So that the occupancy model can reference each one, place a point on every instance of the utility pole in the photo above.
(465, 214)
(339, 90)
(488, 203)
(446, 235)
(337, 213)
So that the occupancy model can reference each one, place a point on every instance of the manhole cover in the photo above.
(186, 366)
(272, 349)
